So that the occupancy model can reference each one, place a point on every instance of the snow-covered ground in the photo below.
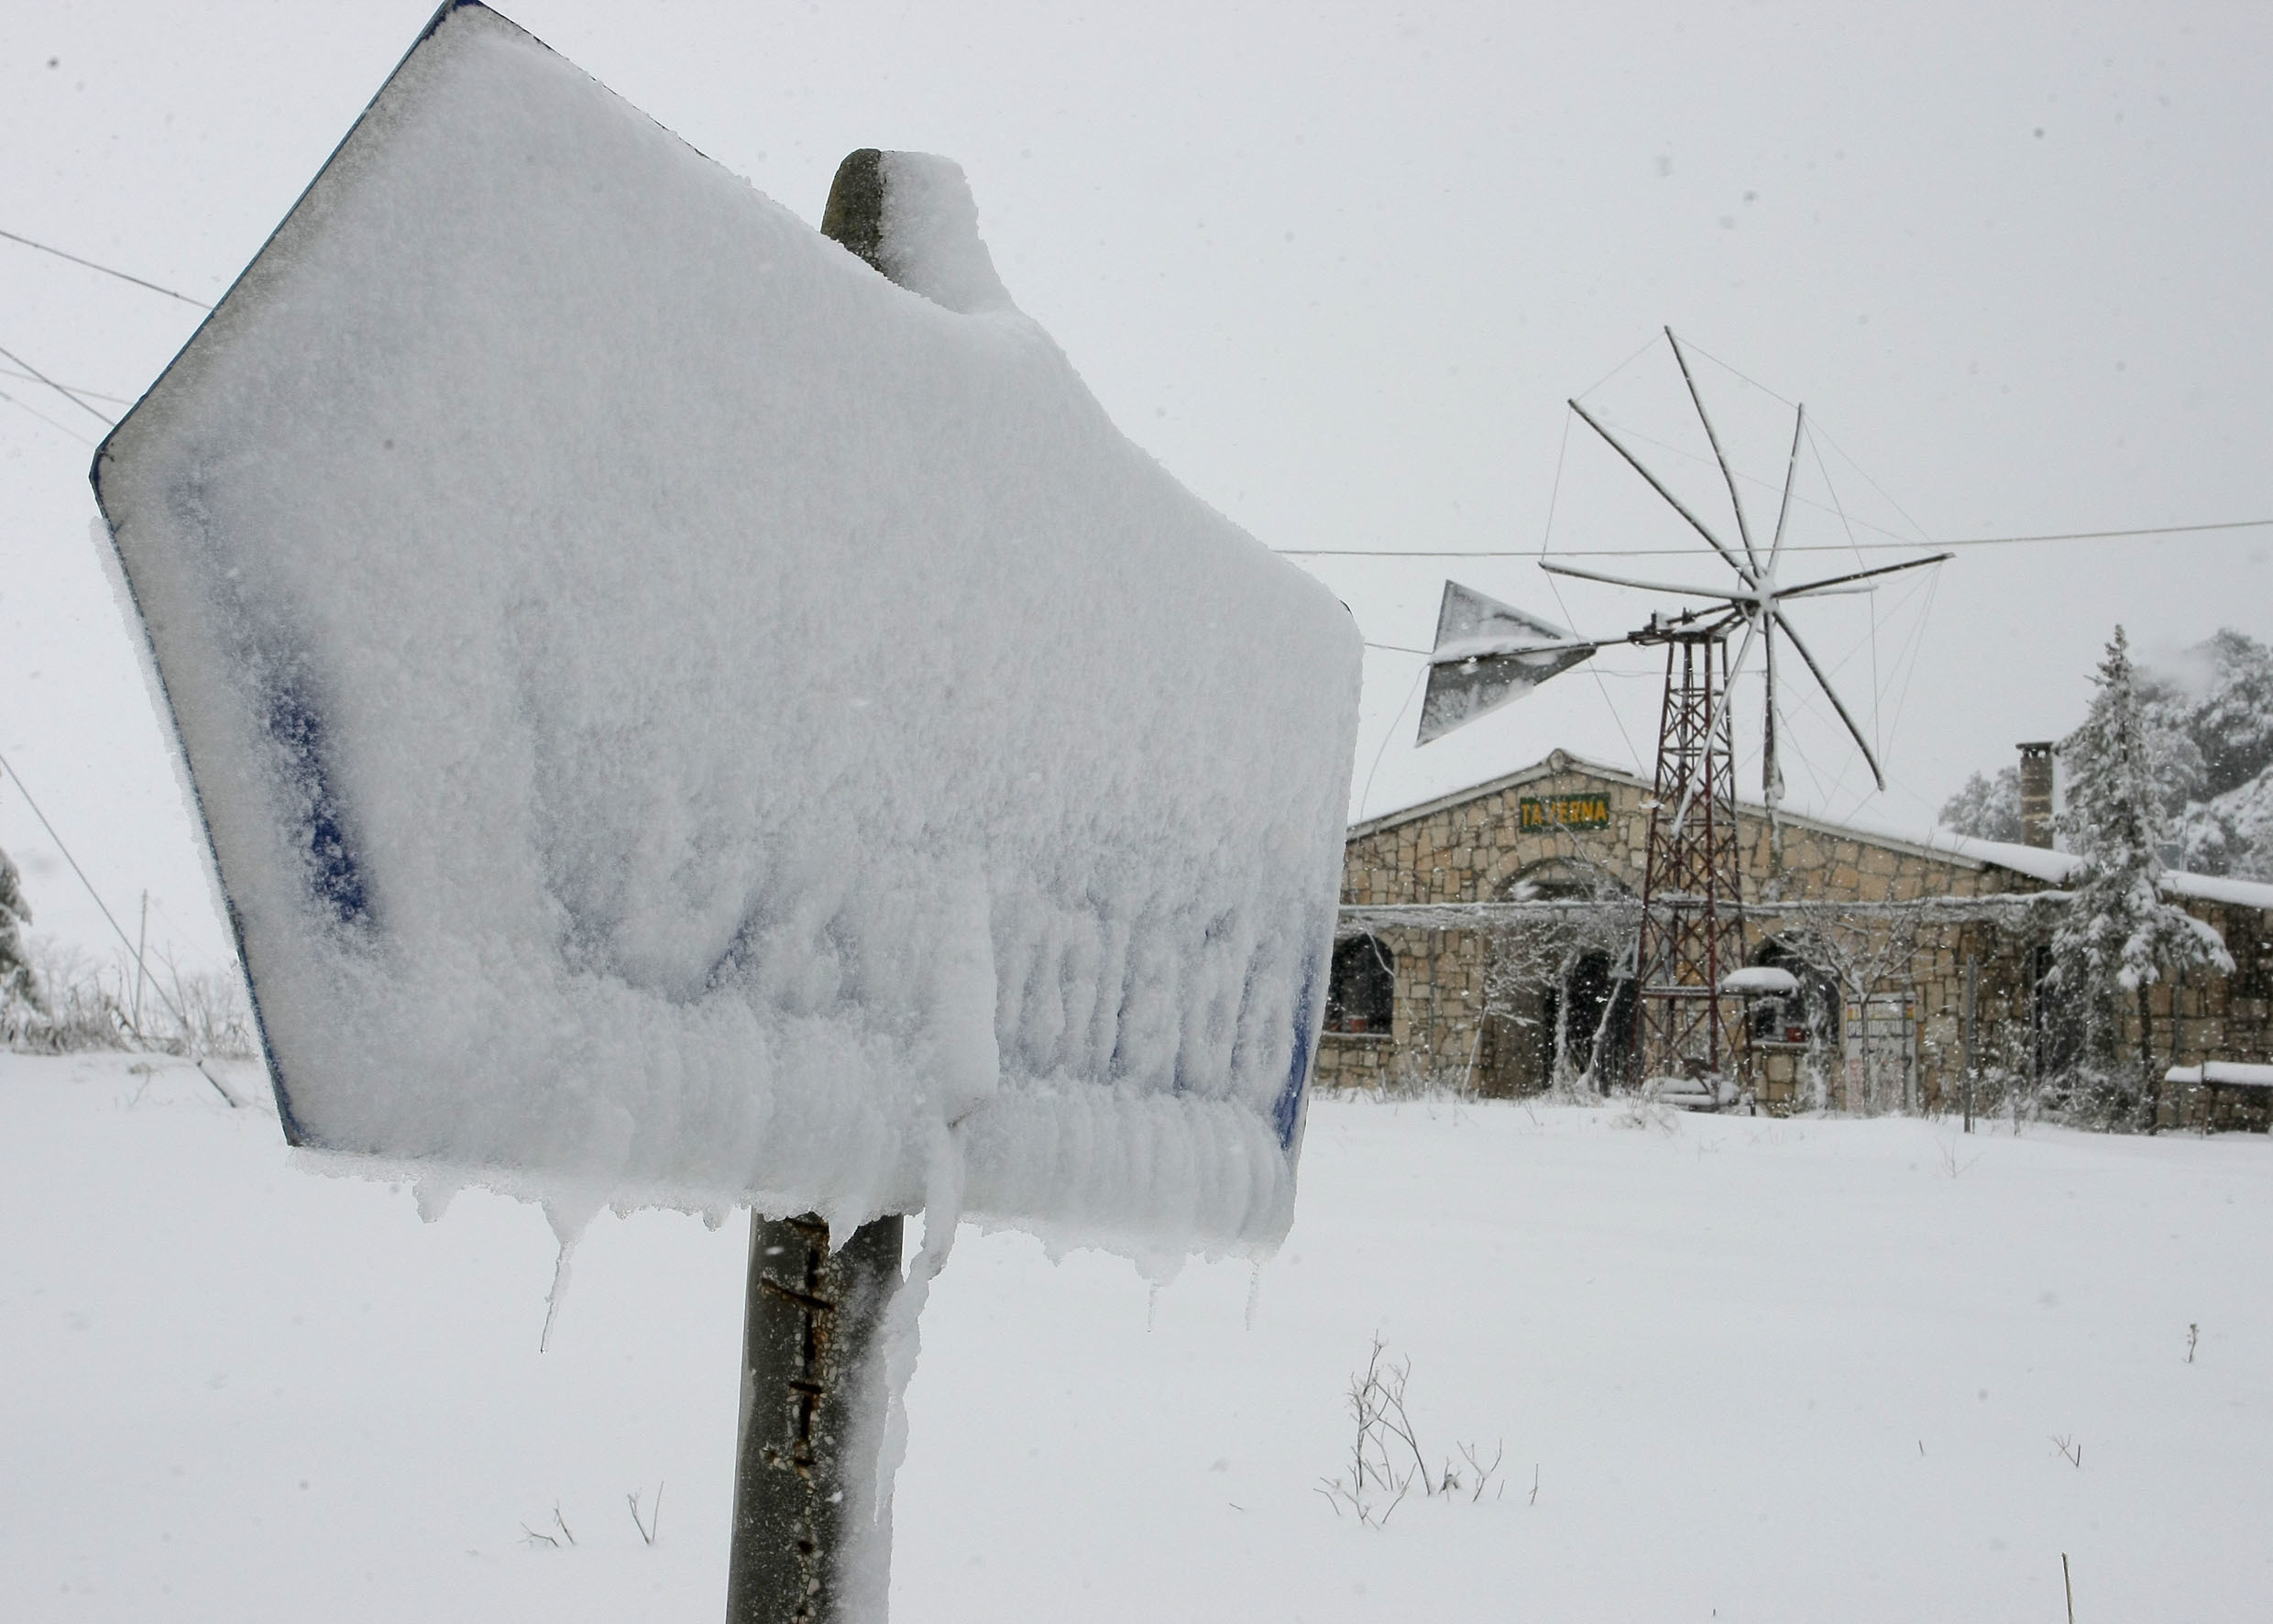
(1811, 1370)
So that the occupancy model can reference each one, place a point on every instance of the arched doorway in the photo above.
(1587, 1025)
(1561, 1004)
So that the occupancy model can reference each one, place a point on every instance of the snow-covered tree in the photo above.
(2118, 935)
(1986, 808)
(2220, 695)
(2215, 702)
(20, 989)
(2208, 717)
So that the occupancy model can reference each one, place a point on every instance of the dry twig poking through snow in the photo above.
(1386, 1456)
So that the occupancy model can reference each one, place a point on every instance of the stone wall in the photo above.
(1446, 1031)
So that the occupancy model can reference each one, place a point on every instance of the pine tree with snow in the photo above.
(1986, 808)
(2215, 702)
(2118, 937)
(19, 988)
(2220, 695)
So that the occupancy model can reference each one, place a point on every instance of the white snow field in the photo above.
(682, 718)
(1805, 1371)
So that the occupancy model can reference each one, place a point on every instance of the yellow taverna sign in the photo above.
(1541, 812)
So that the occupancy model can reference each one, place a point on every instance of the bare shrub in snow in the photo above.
(83, 1004)
(534, 1537)
(653, 1523)
(1386, 1460)
(1644, 1111)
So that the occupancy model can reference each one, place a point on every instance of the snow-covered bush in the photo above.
(2118, 937)
(20, 1002)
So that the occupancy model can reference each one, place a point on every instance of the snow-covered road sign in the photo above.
(683, 718)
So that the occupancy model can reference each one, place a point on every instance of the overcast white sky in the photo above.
(1338, 268)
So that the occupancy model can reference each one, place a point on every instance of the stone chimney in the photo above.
(2036, 794)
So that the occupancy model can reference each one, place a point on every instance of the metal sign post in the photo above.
(813, 1390)
(813, 1404)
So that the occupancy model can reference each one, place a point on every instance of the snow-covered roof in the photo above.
(1563, 760)
(2057, 868)
(2230, 1072)
(2246, 893)
(2036, 862)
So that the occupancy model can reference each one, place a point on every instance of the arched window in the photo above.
(1807, 1017)
(1361, 993)
(1566, 879)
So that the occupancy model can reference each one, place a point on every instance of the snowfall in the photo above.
(1745, 1369)
(519, 906)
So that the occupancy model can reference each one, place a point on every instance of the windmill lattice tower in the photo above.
(1692, 930)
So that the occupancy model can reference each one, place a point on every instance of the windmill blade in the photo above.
(1824, 682)
(1636, 463)
(1771, 770)
(1743, 530)
(1589, 575)
(1827, 582)
(1791, 475)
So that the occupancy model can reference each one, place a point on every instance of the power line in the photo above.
(58, 387)
(44, 418)
(2066, 535)
(106, 269)
(90, 394)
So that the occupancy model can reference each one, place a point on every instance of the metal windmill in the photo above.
(1692, 930)
(1692, 919)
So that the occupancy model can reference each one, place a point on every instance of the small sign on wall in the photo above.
(1539, 812)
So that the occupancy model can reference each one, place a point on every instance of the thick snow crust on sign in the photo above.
(684, 720)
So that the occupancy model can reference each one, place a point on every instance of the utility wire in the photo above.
(75, 388)
(58, 387)
(2065, 535)
(132, 953)
(106, 269)
(44, 418)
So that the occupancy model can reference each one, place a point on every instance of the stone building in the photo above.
(1482, 935)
